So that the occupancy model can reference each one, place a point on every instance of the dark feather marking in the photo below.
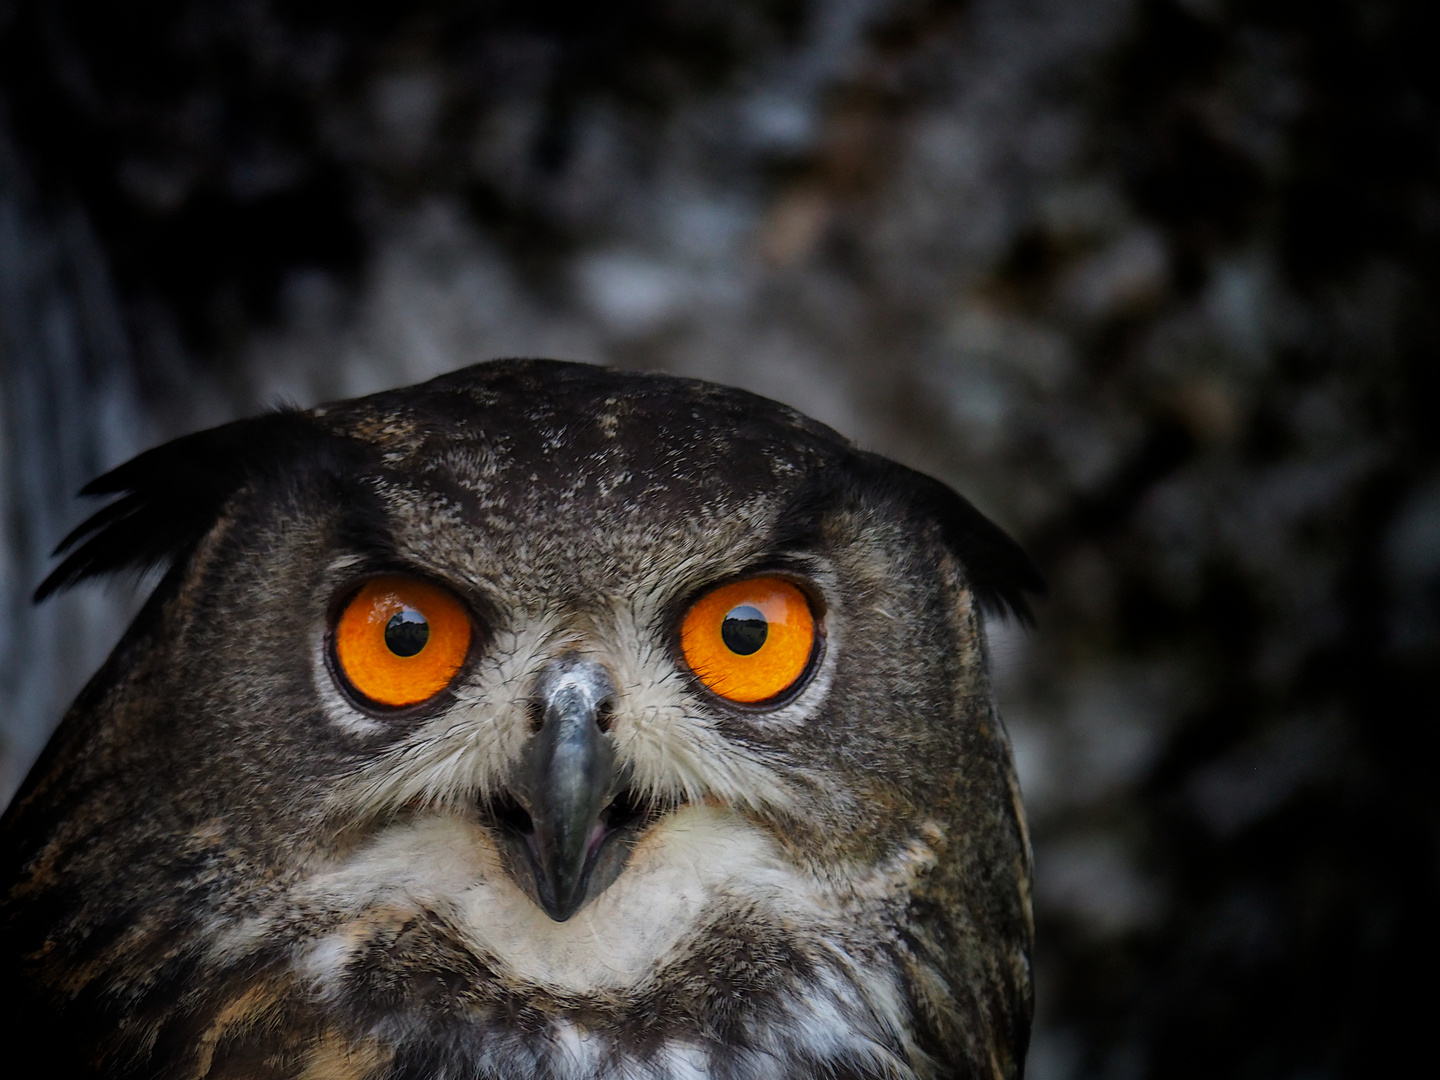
(170, 496)
(999, 571)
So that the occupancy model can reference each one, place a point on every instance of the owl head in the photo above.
(536, 721)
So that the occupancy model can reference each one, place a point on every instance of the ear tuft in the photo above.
(170, 496)
(1000, 572)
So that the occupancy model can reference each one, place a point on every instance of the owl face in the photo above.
(535, 721)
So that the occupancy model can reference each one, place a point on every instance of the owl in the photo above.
(538, 721)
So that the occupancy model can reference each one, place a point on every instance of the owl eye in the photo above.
(749, 641)
(399, 641)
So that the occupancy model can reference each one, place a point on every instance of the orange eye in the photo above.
(400, 640)
(751, 640)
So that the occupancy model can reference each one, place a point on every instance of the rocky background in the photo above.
(1153, 281)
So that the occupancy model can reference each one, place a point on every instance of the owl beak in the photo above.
(569, 779)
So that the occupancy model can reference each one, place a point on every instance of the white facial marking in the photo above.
(680, 868)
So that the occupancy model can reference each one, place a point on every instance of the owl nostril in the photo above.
(604, 714)
(535, 715)
(572, 686)
(508, 812)
(627, 810)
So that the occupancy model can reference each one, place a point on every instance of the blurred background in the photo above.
(1152, 281)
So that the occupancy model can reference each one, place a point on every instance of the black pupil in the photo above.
(744, 630)
(406, 632)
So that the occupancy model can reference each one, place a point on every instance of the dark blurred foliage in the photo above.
(1155, 280)
(217, 146)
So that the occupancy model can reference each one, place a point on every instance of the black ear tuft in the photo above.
(170, 496)
(999, 570)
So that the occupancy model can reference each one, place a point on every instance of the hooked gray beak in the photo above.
(568, 780)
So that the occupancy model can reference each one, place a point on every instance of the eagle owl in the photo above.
(539, 721)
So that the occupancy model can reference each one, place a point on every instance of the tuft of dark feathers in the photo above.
(1000, 572)
(170, 496)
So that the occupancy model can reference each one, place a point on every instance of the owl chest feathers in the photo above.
(705, 909)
